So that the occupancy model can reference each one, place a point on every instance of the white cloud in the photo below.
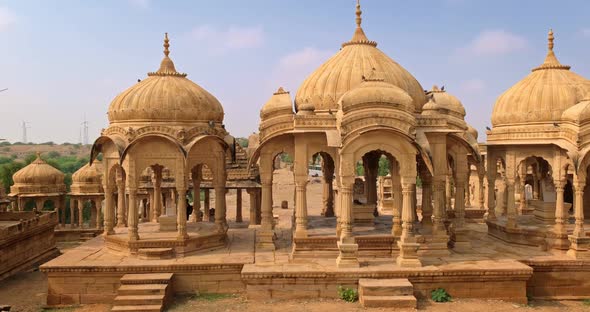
(585, 32)
(294, 67)
(232, 38)
(7, 18)
(472, 86)
(144, 4)
(494, 42)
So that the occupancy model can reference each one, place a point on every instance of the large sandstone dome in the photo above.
(542, 96)
(345, 70)
(165, 96)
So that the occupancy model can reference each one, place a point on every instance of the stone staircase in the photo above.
(86, 236)
(144, 292)
(387, 293)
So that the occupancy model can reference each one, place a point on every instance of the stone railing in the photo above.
(27, 220)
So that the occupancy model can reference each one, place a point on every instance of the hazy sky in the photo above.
(61, 60)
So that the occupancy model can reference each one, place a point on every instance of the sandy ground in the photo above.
(28, 291)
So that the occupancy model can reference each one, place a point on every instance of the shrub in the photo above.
(348, 294)
(586, 302)
(440, 295)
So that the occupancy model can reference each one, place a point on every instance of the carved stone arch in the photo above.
(270, 148)
(156, 138)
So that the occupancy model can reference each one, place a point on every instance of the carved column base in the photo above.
(265, 240)
(460, 237)
(511, 222)
(348, 257)
(301, 233)
(436, 246)
(559, 228)
(167, 223)
(408, 253)
(579, 247)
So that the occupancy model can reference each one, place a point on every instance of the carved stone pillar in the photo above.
(206, 205)
(157, 199)
(73, 207)
(265, 235)
(559, 207)
(328, 196)
(427, 201)
(459, 221)
(510, 204)
(181, 215)
(396, 189)
(239, 205)
(196, 215)
(438, 220)
(579, 242)
(481, 193)
(301, 207)
(81, 213)
(348, 256)
(491, 213)
(448, 192)
(109, 211)
(133, 219)
(220, 212)
(120, 202)
(408, 244)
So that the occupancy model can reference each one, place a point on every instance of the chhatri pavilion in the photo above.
(356, 115)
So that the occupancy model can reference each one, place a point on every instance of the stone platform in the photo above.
(201, 236)
(487, 268)
(530, 231)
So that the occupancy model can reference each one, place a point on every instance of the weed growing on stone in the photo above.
(586, 302)
(348, 294)
(440, 295)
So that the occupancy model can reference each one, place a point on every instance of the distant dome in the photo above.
(344, 71)
(279, 103)
(165, 96)
(376, 92)
(38, 177)
(542, 96)
(447, 101)
(472, 131)
(88, 174)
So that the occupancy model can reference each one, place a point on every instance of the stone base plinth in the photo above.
(327, 246)
(363, 213)
(408, 253)
(265, 239)
(579, 247)
(167, 223)
(348, 257)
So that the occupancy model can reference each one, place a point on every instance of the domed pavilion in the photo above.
(168, 123)
(361, 108)
(538, 142)
(39, 182)
(87, 188)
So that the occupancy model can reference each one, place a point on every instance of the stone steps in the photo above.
(387, 293)
(143, 292)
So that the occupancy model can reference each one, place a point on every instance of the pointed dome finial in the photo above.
(551, 61)
(166, 45)
(167, 66)
(359, 19)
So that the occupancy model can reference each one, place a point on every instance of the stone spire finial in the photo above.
(359, 36)
(359, 19)
(167, 67)
(166, 45)
(551, 61)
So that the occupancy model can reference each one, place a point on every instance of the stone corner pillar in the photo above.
(133, 219)
(108, 211)
(347, 246)
(511, 212)
(301, 206)
(265, 236)
(408, 243)
(181, 216)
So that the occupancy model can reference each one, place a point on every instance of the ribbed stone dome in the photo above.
(38, 173)
(88, 174)
(543, 96)
(375, 92)
(165, 96)
(278, 104)
(344, 71)
(447, 101)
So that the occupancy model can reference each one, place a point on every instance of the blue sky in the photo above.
(62, 60)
